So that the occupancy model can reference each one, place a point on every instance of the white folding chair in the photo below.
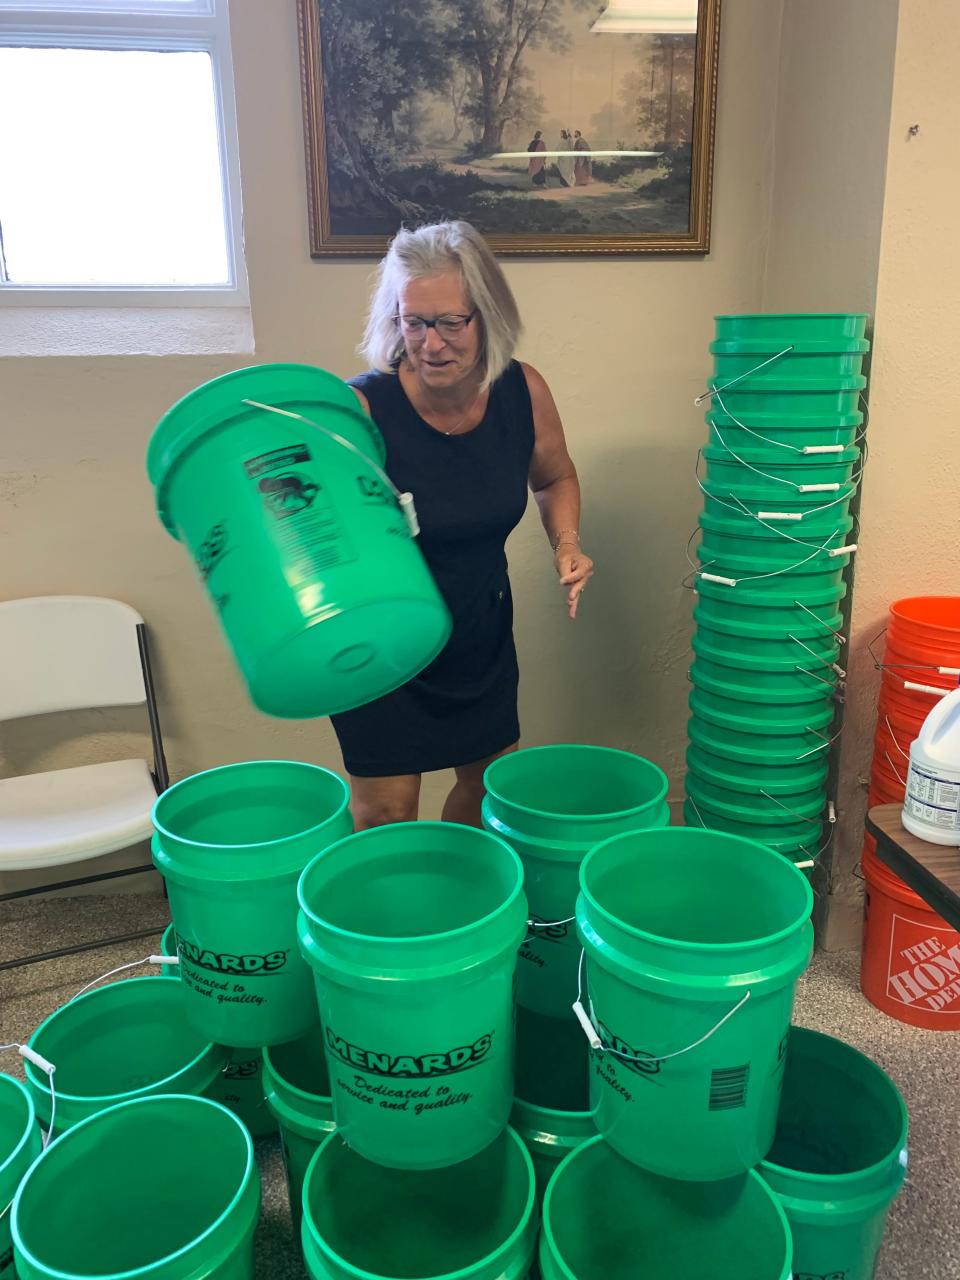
(66, 653)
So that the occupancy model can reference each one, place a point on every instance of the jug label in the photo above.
(304, 521)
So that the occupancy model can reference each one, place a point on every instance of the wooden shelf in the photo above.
(931, 870)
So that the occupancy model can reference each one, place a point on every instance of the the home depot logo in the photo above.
(924, 966)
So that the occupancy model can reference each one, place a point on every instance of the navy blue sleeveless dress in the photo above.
(470, 492)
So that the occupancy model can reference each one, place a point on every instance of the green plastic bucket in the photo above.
(320, 588)
(412, 933)
(605, 1218)
(780, 478)
(804, 747)
(158, 1189)
(732, 361)
(786, 327)
(794, 513)
(298, 1095)
(777, 777)
(474, 1221)
(735, 683)
(739, 724)
(746, 656)
(130, 1039)
(773, 437)
(782, 603)
(694, 941)
(798, 552)
(240, 1086)
(746, 802)
(741, 675)
(840, 1155)
(796, 840)
(551, 1107)
(20, 1144)
(230, 844)
(815, 398)
(552, 805)
(774, 647)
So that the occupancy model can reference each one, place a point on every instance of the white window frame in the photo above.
(161, 25)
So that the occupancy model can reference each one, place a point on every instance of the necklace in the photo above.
(463, 421)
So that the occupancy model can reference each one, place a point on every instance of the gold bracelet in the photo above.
(559, 538)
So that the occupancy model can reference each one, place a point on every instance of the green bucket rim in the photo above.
(19, 1149)
(793, 315)
(838, 346)
(411, 940)
(547, 1225)
(502, 764)
(504, 1249)
(179, 787)
(39, 1081)
(678, 834)
(249, 1173)
(720, 453)
(792, 385)
(878, 1167)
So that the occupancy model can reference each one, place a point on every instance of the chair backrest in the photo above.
(63, 653)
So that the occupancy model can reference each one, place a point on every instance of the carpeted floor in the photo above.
(922, 1241)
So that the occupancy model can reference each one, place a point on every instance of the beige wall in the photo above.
(832, 134)
(910, 510)
(622, 343)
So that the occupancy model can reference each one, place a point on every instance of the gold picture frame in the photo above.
(387, 104)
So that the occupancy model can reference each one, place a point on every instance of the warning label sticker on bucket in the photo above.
(924, 966)
(304, 521)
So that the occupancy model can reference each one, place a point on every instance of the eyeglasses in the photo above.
(446, 326)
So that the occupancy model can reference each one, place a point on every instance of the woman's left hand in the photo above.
(575, 570)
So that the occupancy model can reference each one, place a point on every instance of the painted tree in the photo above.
(662, 89)
(494, 38)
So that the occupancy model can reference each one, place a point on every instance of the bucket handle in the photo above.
(48, 1069)
(404, 500)
(708, 395)
(590, 1031)
(801, 866)
(886, 720)
(908, 666)
(896, 771)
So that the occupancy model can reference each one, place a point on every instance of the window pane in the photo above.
(110, 168)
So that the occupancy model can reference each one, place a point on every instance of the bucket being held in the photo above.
(605, 1218)
(552, 805)
(273, 478)
(840, 1155)
(155, 1189)
(131, 1039)
(230, 844)
(298, 1095)
(412, 932)
(20, 1144)
(931, 809)
(693, 942)
(475, 1221)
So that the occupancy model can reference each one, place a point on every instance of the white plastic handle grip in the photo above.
(163, 959)
(926, 688)
(779, 515)
(822, 448)
(31, 1055)
(715, 577)
(588, 1027)
(848, 550)
(818, 488)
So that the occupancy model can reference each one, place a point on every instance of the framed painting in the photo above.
(553, 126)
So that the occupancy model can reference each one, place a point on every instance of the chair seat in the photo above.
(67, 815)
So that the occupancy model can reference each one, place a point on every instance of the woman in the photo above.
(566, 163)
(467, 429)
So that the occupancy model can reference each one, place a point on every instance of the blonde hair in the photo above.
(430, 251)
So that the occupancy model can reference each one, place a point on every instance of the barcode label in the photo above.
(728, 1088)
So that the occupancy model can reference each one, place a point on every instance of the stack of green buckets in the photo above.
(782, 464)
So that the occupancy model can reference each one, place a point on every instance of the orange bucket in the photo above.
(927, 628)
(910, 963)
(910, 703)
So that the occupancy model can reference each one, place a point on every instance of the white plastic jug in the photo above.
(931, 809)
